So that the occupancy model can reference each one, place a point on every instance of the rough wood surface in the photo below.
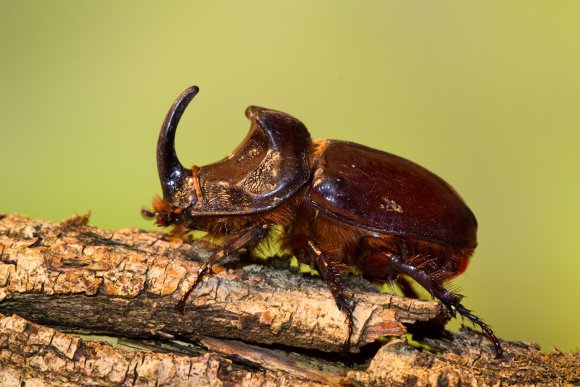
(40, 355)
(126, 283)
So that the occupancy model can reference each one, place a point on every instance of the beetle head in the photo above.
(176, 180)
(268, 167)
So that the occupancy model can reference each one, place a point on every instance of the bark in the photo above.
(254, 323)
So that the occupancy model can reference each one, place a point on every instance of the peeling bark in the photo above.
(126, 283)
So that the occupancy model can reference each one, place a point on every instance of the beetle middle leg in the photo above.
(245, 238)
(331, 272)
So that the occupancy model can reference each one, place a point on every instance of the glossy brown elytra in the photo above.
(338, 204)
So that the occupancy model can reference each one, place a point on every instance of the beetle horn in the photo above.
(172, 174)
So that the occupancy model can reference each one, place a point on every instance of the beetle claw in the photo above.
(464, 312)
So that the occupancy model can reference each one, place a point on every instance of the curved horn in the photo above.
(171, 173)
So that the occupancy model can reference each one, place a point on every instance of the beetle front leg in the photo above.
(331, 272)
(452, 301)
(247, 237)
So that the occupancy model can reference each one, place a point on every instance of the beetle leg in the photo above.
(452, 301)
(331, 272)
(406, 287)
(242, 239)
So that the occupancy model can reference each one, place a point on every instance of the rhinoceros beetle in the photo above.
(339, 205)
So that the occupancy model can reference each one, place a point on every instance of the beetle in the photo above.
(333, 204)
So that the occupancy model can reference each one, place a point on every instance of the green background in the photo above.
(486, 94)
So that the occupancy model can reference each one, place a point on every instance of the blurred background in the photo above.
(486, 95)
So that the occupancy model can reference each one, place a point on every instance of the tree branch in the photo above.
(126, 283)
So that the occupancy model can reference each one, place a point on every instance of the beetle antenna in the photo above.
(171, 173)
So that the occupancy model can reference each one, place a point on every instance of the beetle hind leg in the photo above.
(452, 301)
(464, 312)
(406, 287)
